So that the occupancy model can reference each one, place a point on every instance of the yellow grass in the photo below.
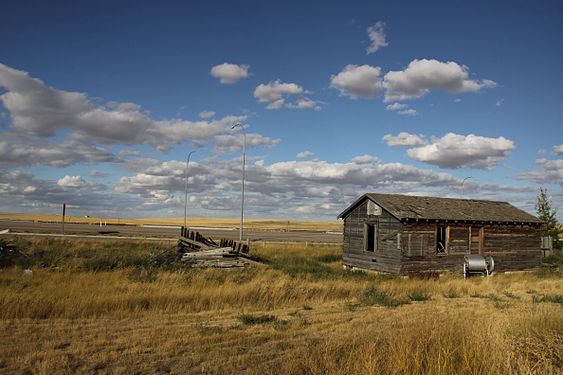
(316, 318)
(260, 224)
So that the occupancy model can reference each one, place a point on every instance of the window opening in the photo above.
(370, 237)
(441, 239)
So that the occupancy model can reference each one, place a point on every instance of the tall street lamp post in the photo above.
(186, 197)
(463, 182)
(243, 175)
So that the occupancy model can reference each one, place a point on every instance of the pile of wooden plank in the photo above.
(200, 252)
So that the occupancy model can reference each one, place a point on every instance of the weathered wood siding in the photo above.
(419, 252)
(513, 247)
(387, 256)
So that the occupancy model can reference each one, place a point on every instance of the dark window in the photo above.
(370, 237)
(441, 239)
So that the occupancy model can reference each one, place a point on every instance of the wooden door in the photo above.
(476, 239)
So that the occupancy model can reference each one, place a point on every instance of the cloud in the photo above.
(304, 103)
(275, 90)
(463, 151)
(404, 139)
(206, 114)
(276, 93)
(402, 109)
(273, 190)
(423, 75)
(550, 172)
(376, 35)
(230, 73)
(23, 191)
(71, 182)
(232, 143)
(38, 110)
(128, 153)
(408, 112)
(558, 150)
(499, 102)
(396, 107)
(305, 154)
(358, 81)
(98, 174)
(21, 151)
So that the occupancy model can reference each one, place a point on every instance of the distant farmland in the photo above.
(257, 224)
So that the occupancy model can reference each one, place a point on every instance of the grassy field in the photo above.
(259, 224)
(107, 308)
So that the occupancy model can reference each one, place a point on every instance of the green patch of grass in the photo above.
(329, 258)
(375, 296)
(555, 259)
(250, 319)
(451, 294)
(419, 296)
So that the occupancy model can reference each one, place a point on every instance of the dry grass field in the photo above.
(106, 308)
(258, 224)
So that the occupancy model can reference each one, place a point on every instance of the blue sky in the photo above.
(102, 101)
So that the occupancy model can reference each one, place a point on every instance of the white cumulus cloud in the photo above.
(423, 75)
(463, 151)
(404, 139)
(275, 95)
(37, 110)
(358, 81)
(230, 73)
(558, 150)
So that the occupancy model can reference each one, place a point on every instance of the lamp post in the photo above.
(186, 198)
(462, 182)
(242, 183)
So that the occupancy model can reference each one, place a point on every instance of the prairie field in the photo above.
(256, 224)
(107, 307)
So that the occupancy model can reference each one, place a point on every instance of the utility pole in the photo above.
(241, 231)
(186, 197)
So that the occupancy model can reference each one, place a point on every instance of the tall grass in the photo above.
(104, 306)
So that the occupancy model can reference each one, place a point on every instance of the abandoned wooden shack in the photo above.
(404, 235)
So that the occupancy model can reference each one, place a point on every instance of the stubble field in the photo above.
(103, 307)
(249, 224)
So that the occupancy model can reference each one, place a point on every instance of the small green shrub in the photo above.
(451, 294)
(419, 296)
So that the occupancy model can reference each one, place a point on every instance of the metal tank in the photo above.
(475, 264)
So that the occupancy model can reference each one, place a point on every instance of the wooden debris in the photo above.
(201, 252)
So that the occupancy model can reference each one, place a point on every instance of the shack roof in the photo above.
(406, 207)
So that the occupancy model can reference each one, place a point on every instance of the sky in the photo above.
(101, 103)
